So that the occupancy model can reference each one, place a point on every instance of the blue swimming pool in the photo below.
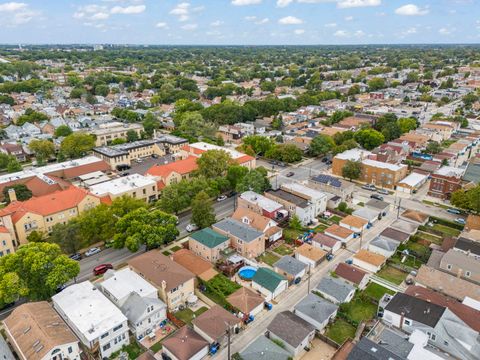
(247, 272)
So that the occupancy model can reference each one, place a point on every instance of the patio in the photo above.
(160, 333)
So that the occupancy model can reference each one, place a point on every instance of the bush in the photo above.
(447, 223)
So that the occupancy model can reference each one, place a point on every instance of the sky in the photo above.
(239, 22)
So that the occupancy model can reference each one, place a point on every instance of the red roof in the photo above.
(182, 167)
(3, 229)
(47, 204)
(350, 273)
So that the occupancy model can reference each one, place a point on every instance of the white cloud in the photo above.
(446, 31)
(290, 20)
(245, 2)
(181, 11)
(161, 25)
(262, 21)
(190, 27)
(340, 33)
(410, 31)
(348, 18)
(344, 4)
(250, 18)
(12, 6)
(283, 3)
(100, 16)
(359, 33)
(127, 10)
(299, 31)
(216, 23)
(411, 10)
(330, 25)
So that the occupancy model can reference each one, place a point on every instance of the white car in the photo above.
(92, 251)
(192, 227)
(222, 197)
(460, 221)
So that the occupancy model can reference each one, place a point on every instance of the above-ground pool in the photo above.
(247, 272)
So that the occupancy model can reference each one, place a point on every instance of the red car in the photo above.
(101, 269)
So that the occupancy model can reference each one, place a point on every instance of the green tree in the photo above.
(22, 192)
(193, 124)
(142, 226)
(102, 90)
(235, 174)
(63, 130)
(433, 147)
(295, 223)
(7, 99)
(213, 163)
(174, 198)
(68, 236)
(13, 165)
(31, 116)
(320, 145)
(150, 124)
(77, 144)
(376, 84)
(460, 199)
(259, 144)
(369, 138)
(202, 210)
(256, 180)
(132, 136)
(43, 150)
(35, 270)
(352, 170)
(36, 236)
(118, 141)
(77, 93)
(407, 124)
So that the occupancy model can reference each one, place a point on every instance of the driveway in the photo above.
(319, 350)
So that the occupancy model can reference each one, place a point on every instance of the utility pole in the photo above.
(228, 344)
(308, 279)
(398, 209)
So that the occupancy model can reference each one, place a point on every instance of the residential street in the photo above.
(295, 293)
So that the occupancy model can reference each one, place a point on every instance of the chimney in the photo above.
(12, 195)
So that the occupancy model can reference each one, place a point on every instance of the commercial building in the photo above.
(135, 185)
(108, 132)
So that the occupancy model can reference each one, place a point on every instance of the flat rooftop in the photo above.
(291, 198)
(121, 185)
(262, 201)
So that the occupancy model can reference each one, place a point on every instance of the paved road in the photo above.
(297, 292)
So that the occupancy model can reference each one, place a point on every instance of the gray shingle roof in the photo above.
(334, 287)
(385, 244)
(135, 306)
(377, 204)
(238, 229)
(290, 265)
(290, 328)
(316, 308)
(264, 349)
(368, 350)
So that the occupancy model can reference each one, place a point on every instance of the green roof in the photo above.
(209, 238)
(267, 278)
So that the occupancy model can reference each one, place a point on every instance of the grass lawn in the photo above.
(431, 203)
(376, 291)
(320, 228)
(359, 310)
(336, 219)
(340, 331)
(188, 315)
(409, 261)
(430, 237)
(420, 249)
(283, 250)
(156, 347)
(166, 253)
(391, 274)
(290, 235)
(222, 285)
(176, 248)
(446, 230)
(133, 350)
(268, 258)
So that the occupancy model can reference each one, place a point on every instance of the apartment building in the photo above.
(37, 332)
(295, 205)
(124, 154)
(7, 245)
(374, 172)
(41, 213)
(445, 181)
(261, 205)
(100, 325)
(136, 186)
(174, 172)
(208, 244)
(197, 149)
(317, 198)
(174, 283)
(108, 132)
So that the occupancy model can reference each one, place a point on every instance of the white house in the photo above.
(93, 318)
(137, 299)
(317, 198)
(269, 283)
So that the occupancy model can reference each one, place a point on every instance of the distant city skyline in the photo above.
(240, 22)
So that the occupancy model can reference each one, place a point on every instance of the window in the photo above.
(449, 266)
(433, 337)
(468, 273)
(407, 322)
(104, 335)
(445, 343)
(106, 347)
(70, 350)
(117, 327)
(4, 243)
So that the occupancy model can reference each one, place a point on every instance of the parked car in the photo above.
(154, 156)
(231, 193)
(329, 162)
(92, 251)
(101, 269)
(192, 227)
(222, 197)
(383, 191)
(324, 159)
(290, 174)
(376, 197)
(453, 211)
(460, 221)
(369, 187)
(76, 256)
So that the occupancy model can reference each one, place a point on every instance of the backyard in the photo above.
(283, 250)
(133, 350)
(290, 235)
(187, 315)
(359, 310)
(219, 287)
(392, 274)
(268, 258)
(376, 291)
(340, 331)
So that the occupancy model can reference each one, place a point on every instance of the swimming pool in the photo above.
(247, 272)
